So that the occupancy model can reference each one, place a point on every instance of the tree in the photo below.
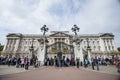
(1, 47)
(118, 49)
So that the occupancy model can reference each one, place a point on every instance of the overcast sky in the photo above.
(28, 16)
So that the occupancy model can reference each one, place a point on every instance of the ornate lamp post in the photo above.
(45, 29)
(75, 29)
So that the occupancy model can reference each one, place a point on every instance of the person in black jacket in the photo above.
(93, 63)
(96, 61)
(77, 62)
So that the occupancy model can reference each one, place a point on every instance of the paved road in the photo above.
(66, 73)
(4, 69)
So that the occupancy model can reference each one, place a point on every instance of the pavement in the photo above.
(53, 73)
(109, 69)
(4, 69)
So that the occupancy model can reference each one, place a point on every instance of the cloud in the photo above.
(92, 16)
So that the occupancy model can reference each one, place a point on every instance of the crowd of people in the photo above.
(94, 62)
(56, 61)
(25, 62)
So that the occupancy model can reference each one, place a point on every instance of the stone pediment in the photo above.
(107, 35)
(60, 34)
(14, 35)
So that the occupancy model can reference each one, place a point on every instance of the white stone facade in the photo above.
(20, 44)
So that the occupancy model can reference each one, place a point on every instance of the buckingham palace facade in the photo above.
(60, 43)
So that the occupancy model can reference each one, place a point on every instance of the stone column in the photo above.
(10, 45)
(16, 44)
(13, 43)
(5, 47)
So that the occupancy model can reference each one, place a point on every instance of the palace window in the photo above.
(63, 39)
(109, 47)
(25, 48)
(112, 47)
(104, 43)
(30, 42)
(84, 42)
(94, 48)
(95, 39)
(98, 42)
(99, 48)
(111, 42)
(93, 42)
(107, 42)
(106, 48)
(59, 39)
(55, 39)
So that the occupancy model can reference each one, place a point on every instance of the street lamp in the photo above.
(75, 29)
(45, 29)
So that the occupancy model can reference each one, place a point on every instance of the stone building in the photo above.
(60, 43)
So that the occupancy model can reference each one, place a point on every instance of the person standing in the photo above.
(77, 62)
(18, 62)
(93, 63)
(97, 63)
(119, 66)
(22, 62)
(67, 62)
(26, 63)
(9, 61)
(86, 63)
(58, 62)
